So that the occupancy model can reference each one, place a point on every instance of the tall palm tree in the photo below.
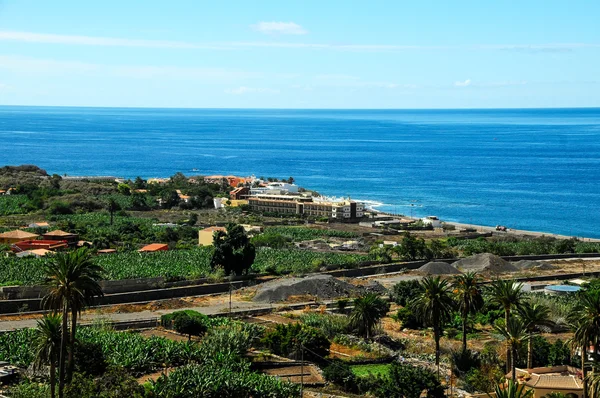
(47, 345)
(508, 294)
(515, 334)
(512, 390)
(73, 281)
(535, 317)
(433, 306)
(593, 382)
(468, 299)
(585, 319)
(368, 310)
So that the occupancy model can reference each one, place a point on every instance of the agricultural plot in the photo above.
(180, 264)
(14, 204)
(302, 233)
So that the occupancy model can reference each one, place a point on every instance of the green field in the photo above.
(374, 369)
(180, 264)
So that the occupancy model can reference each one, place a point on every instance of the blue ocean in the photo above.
(535, 169)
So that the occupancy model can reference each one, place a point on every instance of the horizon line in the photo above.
(295, 109)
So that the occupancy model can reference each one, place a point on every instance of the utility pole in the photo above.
(230, 291)
(301, 370)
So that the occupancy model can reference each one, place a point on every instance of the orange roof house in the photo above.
(15, 236)
(154, 247)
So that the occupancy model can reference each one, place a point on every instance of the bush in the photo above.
(407, 381)
(483, 380)
(89, 358)
(167, 320)
(464, 361)
(341, 374)
(286, 340)
(408, 319)
(404, 291)
(188, 324)
(330, 325)
(559, 354)
(59, 208)
(115, 383)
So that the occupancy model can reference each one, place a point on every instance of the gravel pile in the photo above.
(321, 286)
(533, 265)
(485, 263)
(438, 268)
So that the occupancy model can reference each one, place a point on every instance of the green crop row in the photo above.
(14, 204)
(303, 233)
(181, 264)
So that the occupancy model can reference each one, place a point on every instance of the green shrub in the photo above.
(464, 361)
(190, 325)
(408, 319)
(404, 291)
(341, 374)
(407, 381)
(221, 378)
(331, 325)
(287, 340)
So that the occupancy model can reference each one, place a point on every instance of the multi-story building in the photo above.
(282, 204)
(301, 205)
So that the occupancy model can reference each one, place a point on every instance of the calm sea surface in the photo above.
(527, 169)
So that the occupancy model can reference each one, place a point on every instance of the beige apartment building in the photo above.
(291, 204)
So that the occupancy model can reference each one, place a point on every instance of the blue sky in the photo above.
(300, 54)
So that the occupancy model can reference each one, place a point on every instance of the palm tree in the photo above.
(593, 382)
(72, 278)
(535, 317)
(433, 306)
(512, 390)
(112, 206)
(368, 310)
(468, 299)
(508, 294)
(515, 334)
(585, 319)
(47, 345)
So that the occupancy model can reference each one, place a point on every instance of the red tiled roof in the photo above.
(154, 247)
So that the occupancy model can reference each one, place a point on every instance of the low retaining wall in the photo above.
(34, 304)
(114, 286)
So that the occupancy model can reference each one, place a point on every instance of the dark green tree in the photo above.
(112, 206)
(407, 381)
(73, 281)
(585, 320)
(509, 295)
(47, 346)
(535, 317)
(515, 334)
(190, 325)
(233, 250)
(434, 306)
(469, 299)
(367, 312)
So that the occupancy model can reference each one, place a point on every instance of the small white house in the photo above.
(433, 221)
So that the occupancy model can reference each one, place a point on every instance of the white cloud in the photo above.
(281, 28)
(247, 90)
(278, 28)
(465, 83)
